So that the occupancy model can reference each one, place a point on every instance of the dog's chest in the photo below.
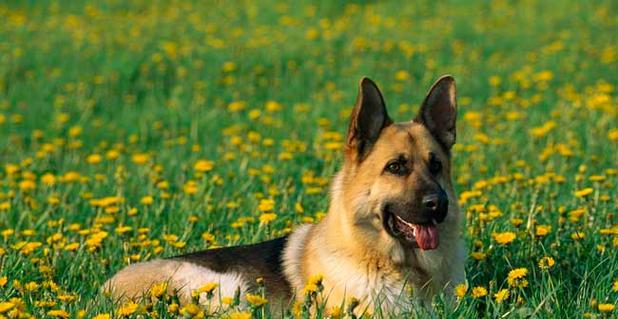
(370, 284)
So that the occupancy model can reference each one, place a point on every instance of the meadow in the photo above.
(131, 130)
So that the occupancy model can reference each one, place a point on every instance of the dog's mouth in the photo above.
(423, 236)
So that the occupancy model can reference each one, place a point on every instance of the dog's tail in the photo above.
(134, 281)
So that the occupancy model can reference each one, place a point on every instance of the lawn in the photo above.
(132, 130)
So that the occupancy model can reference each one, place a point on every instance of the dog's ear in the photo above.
(439, 111)
(368, 118)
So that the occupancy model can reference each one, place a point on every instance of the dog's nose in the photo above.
(430, 202)
(436, 205)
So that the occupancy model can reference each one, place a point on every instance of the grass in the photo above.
(106, 108)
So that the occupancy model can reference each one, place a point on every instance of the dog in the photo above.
(393, 222)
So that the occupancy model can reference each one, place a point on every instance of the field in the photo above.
(131, 131)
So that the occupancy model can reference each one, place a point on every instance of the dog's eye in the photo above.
(435, 166)
(395, 168)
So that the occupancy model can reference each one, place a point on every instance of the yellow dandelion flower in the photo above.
(272, 106)
(48, 179)
(546, 262)
(402, 75)
(266, 218)
(140, 158)
(6, 306)
(266, 205)
(102, 316)
(5, 279)
(27, 185)
(127, 309)
(516, 277)
(208, 237)
(236, 106)
(461, 290)
(584, 192)
(158, 290)
(239, 315)
(501, 295)
(58, 313)
(578, 235)
(190, 309)
(256, 300)
(31, 286)
(208, 288)
(146, 200)
(504, 238)
(94, 159)
(479, 292)
(606, 307)
(542, 230)
(203, 166)
(227, 300)
(477, 255)
(71, 247)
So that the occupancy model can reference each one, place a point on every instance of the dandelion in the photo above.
(226, 300)
(256, 300)
(402, 75)
(479, 292)
(59, 313)
(48, 179)
(203, 166)
(190, 310)
(546, 262)
(208, 288)
(606, 307)
(314, 284)
(239, 315)
(266, 218)
(208, 237)
(157, 290)
(272, 106)
(236, 106)
(578, 235)
(584, 192)
(504, 238)
(127, 309)
(102, 316)
(6, 306)
(501, 295)
(94, 159)
(266, 205)
(146, 200)
(477, 255)
(542, 230)
(517, 277)
(461, 290)
(140, 158)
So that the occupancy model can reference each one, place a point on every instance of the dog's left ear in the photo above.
(439, 111)
(368, 118)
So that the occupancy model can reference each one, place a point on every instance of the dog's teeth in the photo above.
(434, 222)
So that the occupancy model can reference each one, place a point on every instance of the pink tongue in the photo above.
(426, 236)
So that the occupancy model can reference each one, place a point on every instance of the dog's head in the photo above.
(396, 176)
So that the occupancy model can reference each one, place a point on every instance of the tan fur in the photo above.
(182, 278)
(350, 247)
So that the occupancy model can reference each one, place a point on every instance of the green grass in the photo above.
(158, 78)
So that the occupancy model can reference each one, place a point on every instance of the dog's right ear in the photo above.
(368, 118)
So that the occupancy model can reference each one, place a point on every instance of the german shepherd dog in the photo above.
(393, 222)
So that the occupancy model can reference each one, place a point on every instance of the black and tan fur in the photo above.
(355, 248)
